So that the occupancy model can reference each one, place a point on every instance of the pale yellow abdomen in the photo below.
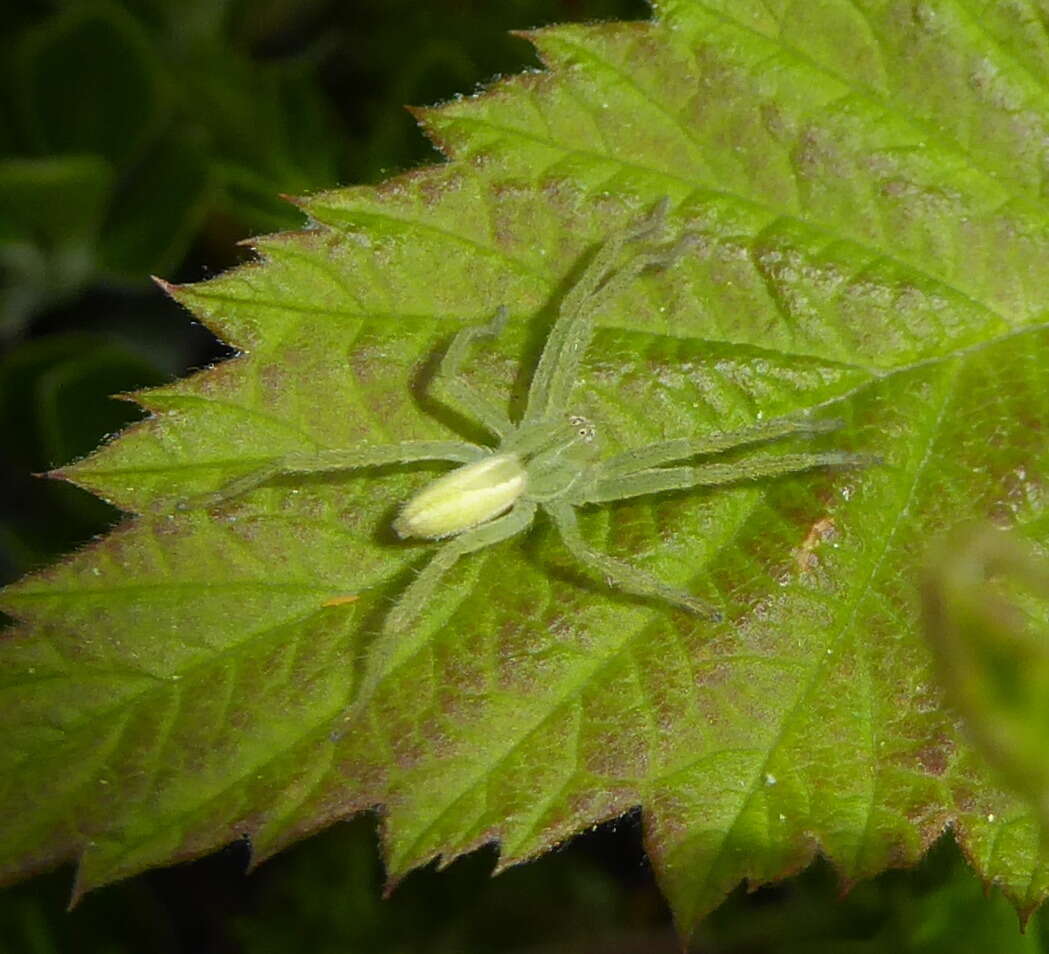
(467, 496)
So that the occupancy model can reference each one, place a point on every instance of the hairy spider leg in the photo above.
(325, 461)
(621, 574)
(681, 478)
(419, 591)
(396, 642)
(666, 452)
(463, 397)
(581, 329)
(570, 335)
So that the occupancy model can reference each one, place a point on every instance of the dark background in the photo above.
(148, 137)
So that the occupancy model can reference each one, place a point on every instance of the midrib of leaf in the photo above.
(877, 376)
(284, 305)
(164, 401)
(749, 349)
(412, 228)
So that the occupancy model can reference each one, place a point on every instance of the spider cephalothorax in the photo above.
(548, 459)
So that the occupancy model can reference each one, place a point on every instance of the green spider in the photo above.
(548, 460)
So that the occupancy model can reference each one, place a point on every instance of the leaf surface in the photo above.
(864, 181)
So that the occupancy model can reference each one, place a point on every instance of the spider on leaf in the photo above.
(548, 461)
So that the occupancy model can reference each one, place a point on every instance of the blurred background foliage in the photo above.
(147, 137)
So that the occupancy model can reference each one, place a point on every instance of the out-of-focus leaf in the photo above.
(938, 907)
(270, 131)
(54, 404)
(88, 81)
(259, 22)
(50, 214)
(986, 611)
(175, 183)
(55, 395)
(53, 201)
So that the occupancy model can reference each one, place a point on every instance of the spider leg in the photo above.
(419, 591)
(665, 452)
(462, 397)
(618, 573)
(662, 479)
(327, 461)
(570, 335)
(397, 641)
(603, 264)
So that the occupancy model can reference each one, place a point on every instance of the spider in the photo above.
(548, 460)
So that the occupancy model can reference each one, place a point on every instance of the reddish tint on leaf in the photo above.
(866, 188)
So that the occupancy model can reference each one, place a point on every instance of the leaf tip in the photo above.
(299, 201)
(534, 37)
(137, 397)
(80, 887)
(525, 35)
(421, 114)
(57, 473)
(429, 121)
(169, 288)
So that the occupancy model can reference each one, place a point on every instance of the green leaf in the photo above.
(88, 81)
(865, 183)
(53, 393)
(993, 652)
(174, 183)
(269, 128)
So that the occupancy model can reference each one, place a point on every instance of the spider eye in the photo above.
(583, 427)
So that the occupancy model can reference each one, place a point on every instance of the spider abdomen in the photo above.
(463, 498)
